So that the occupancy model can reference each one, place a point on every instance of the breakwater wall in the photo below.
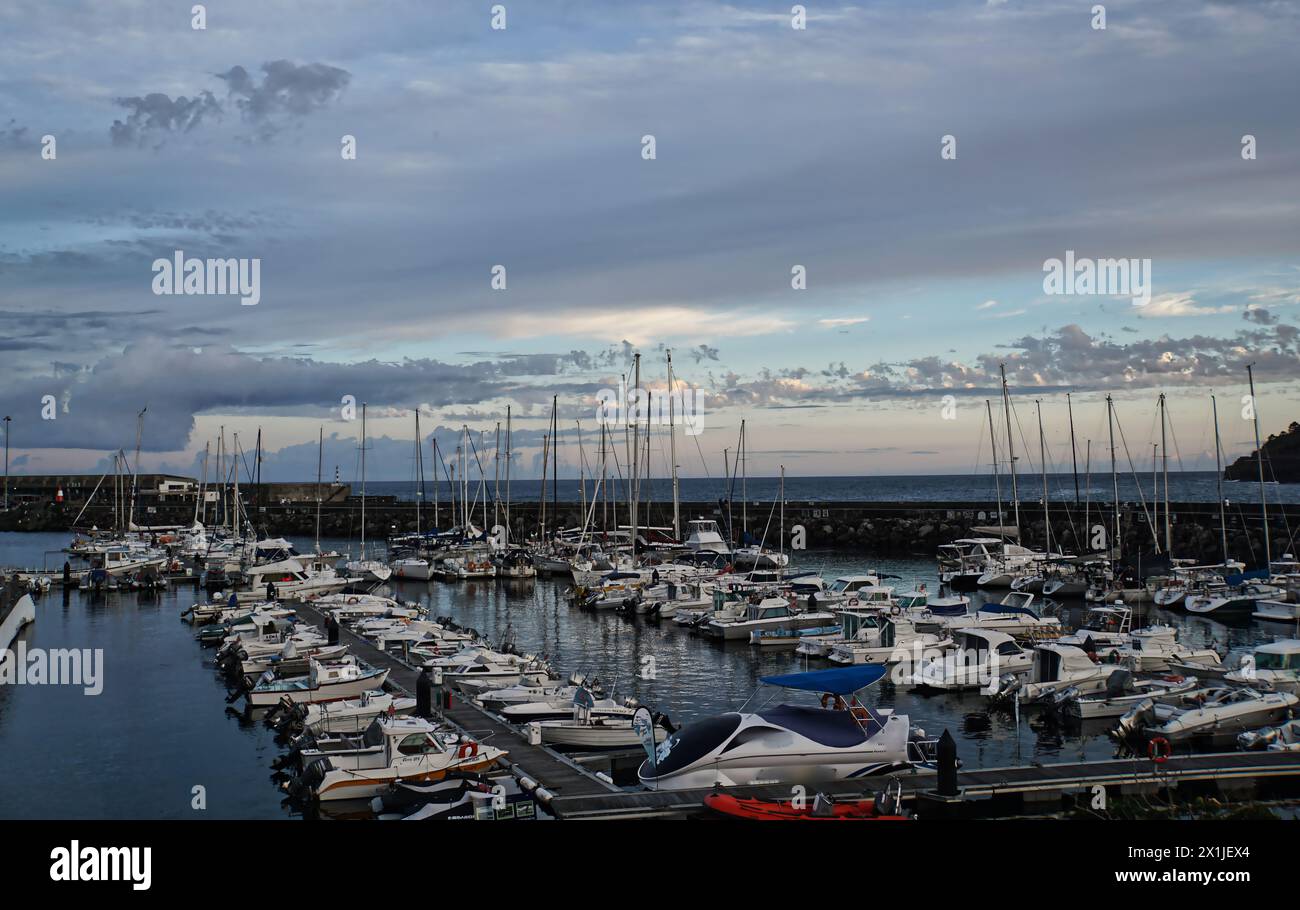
(877, 528)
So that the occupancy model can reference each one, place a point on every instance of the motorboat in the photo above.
(919, 602)
(349, 715)
(456, 796)
(963, 562)
(818, 639)
(410, 753)
(412, 568)
(1015, 615)
(769, 613)
(788, 743)
(1218, 710)
(884, 806)
(1122, 692)
(845, 589)
(1055, 667)
(1236, 600)
(349, 751)
(1156, 648)
(871, 638)
(981, 660)
(15, 612)
(594, 733)
(703, 534)
(1274, 666)
(1282, 738)
(370, 571)
(558, 707)
(327, 681)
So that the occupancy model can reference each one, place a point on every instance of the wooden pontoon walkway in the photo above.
(535, 766)
(1029, 783)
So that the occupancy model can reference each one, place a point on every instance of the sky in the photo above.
(916, 163)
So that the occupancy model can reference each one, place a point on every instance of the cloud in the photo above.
(987, 305)
(286, 92)
(157, 115)
(1259, 316)
(835, 323)
(1179, 304)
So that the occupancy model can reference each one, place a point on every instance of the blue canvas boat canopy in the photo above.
(840, 681)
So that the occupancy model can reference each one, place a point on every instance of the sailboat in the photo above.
(414, 566)
(366, 569)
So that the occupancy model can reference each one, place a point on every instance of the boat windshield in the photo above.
(1267, 661)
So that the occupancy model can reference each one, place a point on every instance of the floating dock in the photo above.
(542, 772)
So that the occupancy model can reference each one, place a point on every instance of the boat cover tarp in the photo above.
(839, 681)
(836, 729)
(1243, 577)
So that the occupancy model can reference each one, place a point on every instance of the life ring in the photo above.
(839, 702)
(354, 600)
(1159, 750)
(467, 750)
(853, 602)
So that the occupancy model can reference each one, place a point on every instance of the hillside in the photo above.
(1281, 459)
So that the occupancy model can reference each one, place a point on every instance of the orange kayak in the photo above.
(785, 810)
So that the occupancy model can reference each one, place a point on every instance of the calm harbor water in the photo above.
(1184, 486)
(160, 727)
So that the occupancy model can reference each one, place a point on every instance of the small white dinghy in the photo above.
(352, 715)
(1283, 738)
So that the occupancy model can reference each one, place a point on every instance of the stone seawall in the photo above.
(875, 528)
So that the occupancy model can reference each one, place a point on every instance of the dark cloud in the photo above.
(1259, 316)
(286, 91)
(155, 116)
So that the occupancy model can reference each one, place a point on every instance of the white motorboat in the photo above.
(15, 612)
(559, 706)
(1234, 601)
(963, 562)
(351, 715)
(1228, 709)
(327, 681)
(1274, 666)
(593, 733)
(410, 752)
(787, 743)
(1055, 667)
(872, 638)
(1014, 615)
(981, 659)
(703, 535)
(1282, 738)
(769, 613)
(1121, 693)
(845, 589)
(412, 568)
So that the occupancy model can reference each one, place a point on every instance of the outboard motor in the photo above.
(1135, 720)
(1006, 688)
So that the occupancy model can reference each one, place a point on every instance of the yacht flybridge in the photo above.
(789, 743)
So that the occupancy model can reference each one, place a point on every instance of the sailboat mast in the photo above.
(1164, 457)
(1218, 481)
(437, 483)
(1259, 456)
(744, 477)
(635, 457)
(419, 472)
(1114, 477)
(320, 466)
(1011, 449)
(997, 476)
(509, 458)
(1042, 456)
(496, 476)
(1074, 449)
(555, 464)
(672, 450)
(363, 480)
(1087, 491)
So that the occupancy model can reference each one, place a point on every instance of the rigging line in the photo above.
(1137, 483)
(1178, 455)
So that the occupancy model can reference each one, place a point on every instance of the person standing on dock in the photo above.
(270, 591)
(424, 694)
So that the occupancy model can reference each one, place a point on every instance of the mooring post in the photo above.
(947, 765)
